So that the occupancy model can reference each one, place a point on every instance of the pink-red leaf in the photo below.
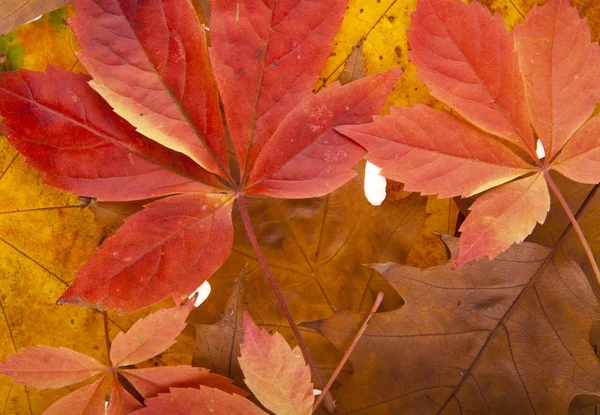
(467, 58)
(49, 368)
(267, 56)
(502, 217)
(149, 336)
(435, 153)
(88, 400)
(149, 61)
(152, 381)
(203, 401)
(317, 159)
(169, 248)
(67, 130)
(276, 374)
(560, 71)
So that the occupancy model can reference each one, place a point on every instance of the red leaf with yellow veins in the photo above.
(274, 372)
(206, 401)
(150, 62)
(48, 368)
(153, 254)
(67, 131)
(148, 59)
(542, 81)
(267, 56)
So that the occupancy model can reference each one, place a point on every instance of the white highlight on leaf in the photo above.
(539, 150)
(37, 18)
(316, 392)
(203, 293)
(374, 185)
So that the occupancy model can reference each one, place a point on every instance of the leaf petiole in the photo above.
(242, 205)
(576, 227)
(350, 349)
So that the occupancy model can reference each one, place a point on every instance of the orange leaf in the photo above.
(276, 374)
(149, 336)
(205, 401)
(88, 400)
(151, 381)
(49, 368)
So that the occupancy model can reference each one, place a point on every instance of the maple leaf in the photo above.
(540, 81)
(277, 375)
(51, 368)
(155, 73)
(516, 341)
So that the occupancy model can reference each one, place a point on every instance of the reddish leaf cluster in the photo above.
(540, 82)
(149, 62)
(50, 368)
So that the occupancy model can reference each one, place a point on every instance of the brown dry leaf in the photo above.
(218, 345)
(14, 13)
(355, 67)
(316, 248)
(503, 336)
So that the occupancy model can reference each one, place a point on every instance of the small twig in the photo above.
(339, 367)
(106, 334)
(576, 227)
(263, 262)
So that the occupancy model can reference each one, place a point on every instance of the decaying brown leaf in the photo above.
(504, 336)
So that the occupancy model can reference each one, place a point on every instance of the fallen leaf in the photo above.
(218, 345)
(149, 92)
(504, 336)
(324, 264)
(434, 152)
(276, 374)
(51, 368)
(205, 401)
(16, 12)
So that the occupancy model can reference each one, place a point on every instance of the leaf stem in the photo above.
(576, 227)
(350, 349)
(243, 206)
(106, 334)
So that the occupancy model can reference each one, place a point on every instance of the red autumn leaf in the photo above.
(50, 368)
(276, 374)
(150, 62)
(542, 80)
(203, 401)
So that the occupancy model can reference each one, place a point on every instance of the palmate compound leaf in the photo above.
(546, 74)
(50, 368)
(509, 335)
(276, 374)
(283, 134)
